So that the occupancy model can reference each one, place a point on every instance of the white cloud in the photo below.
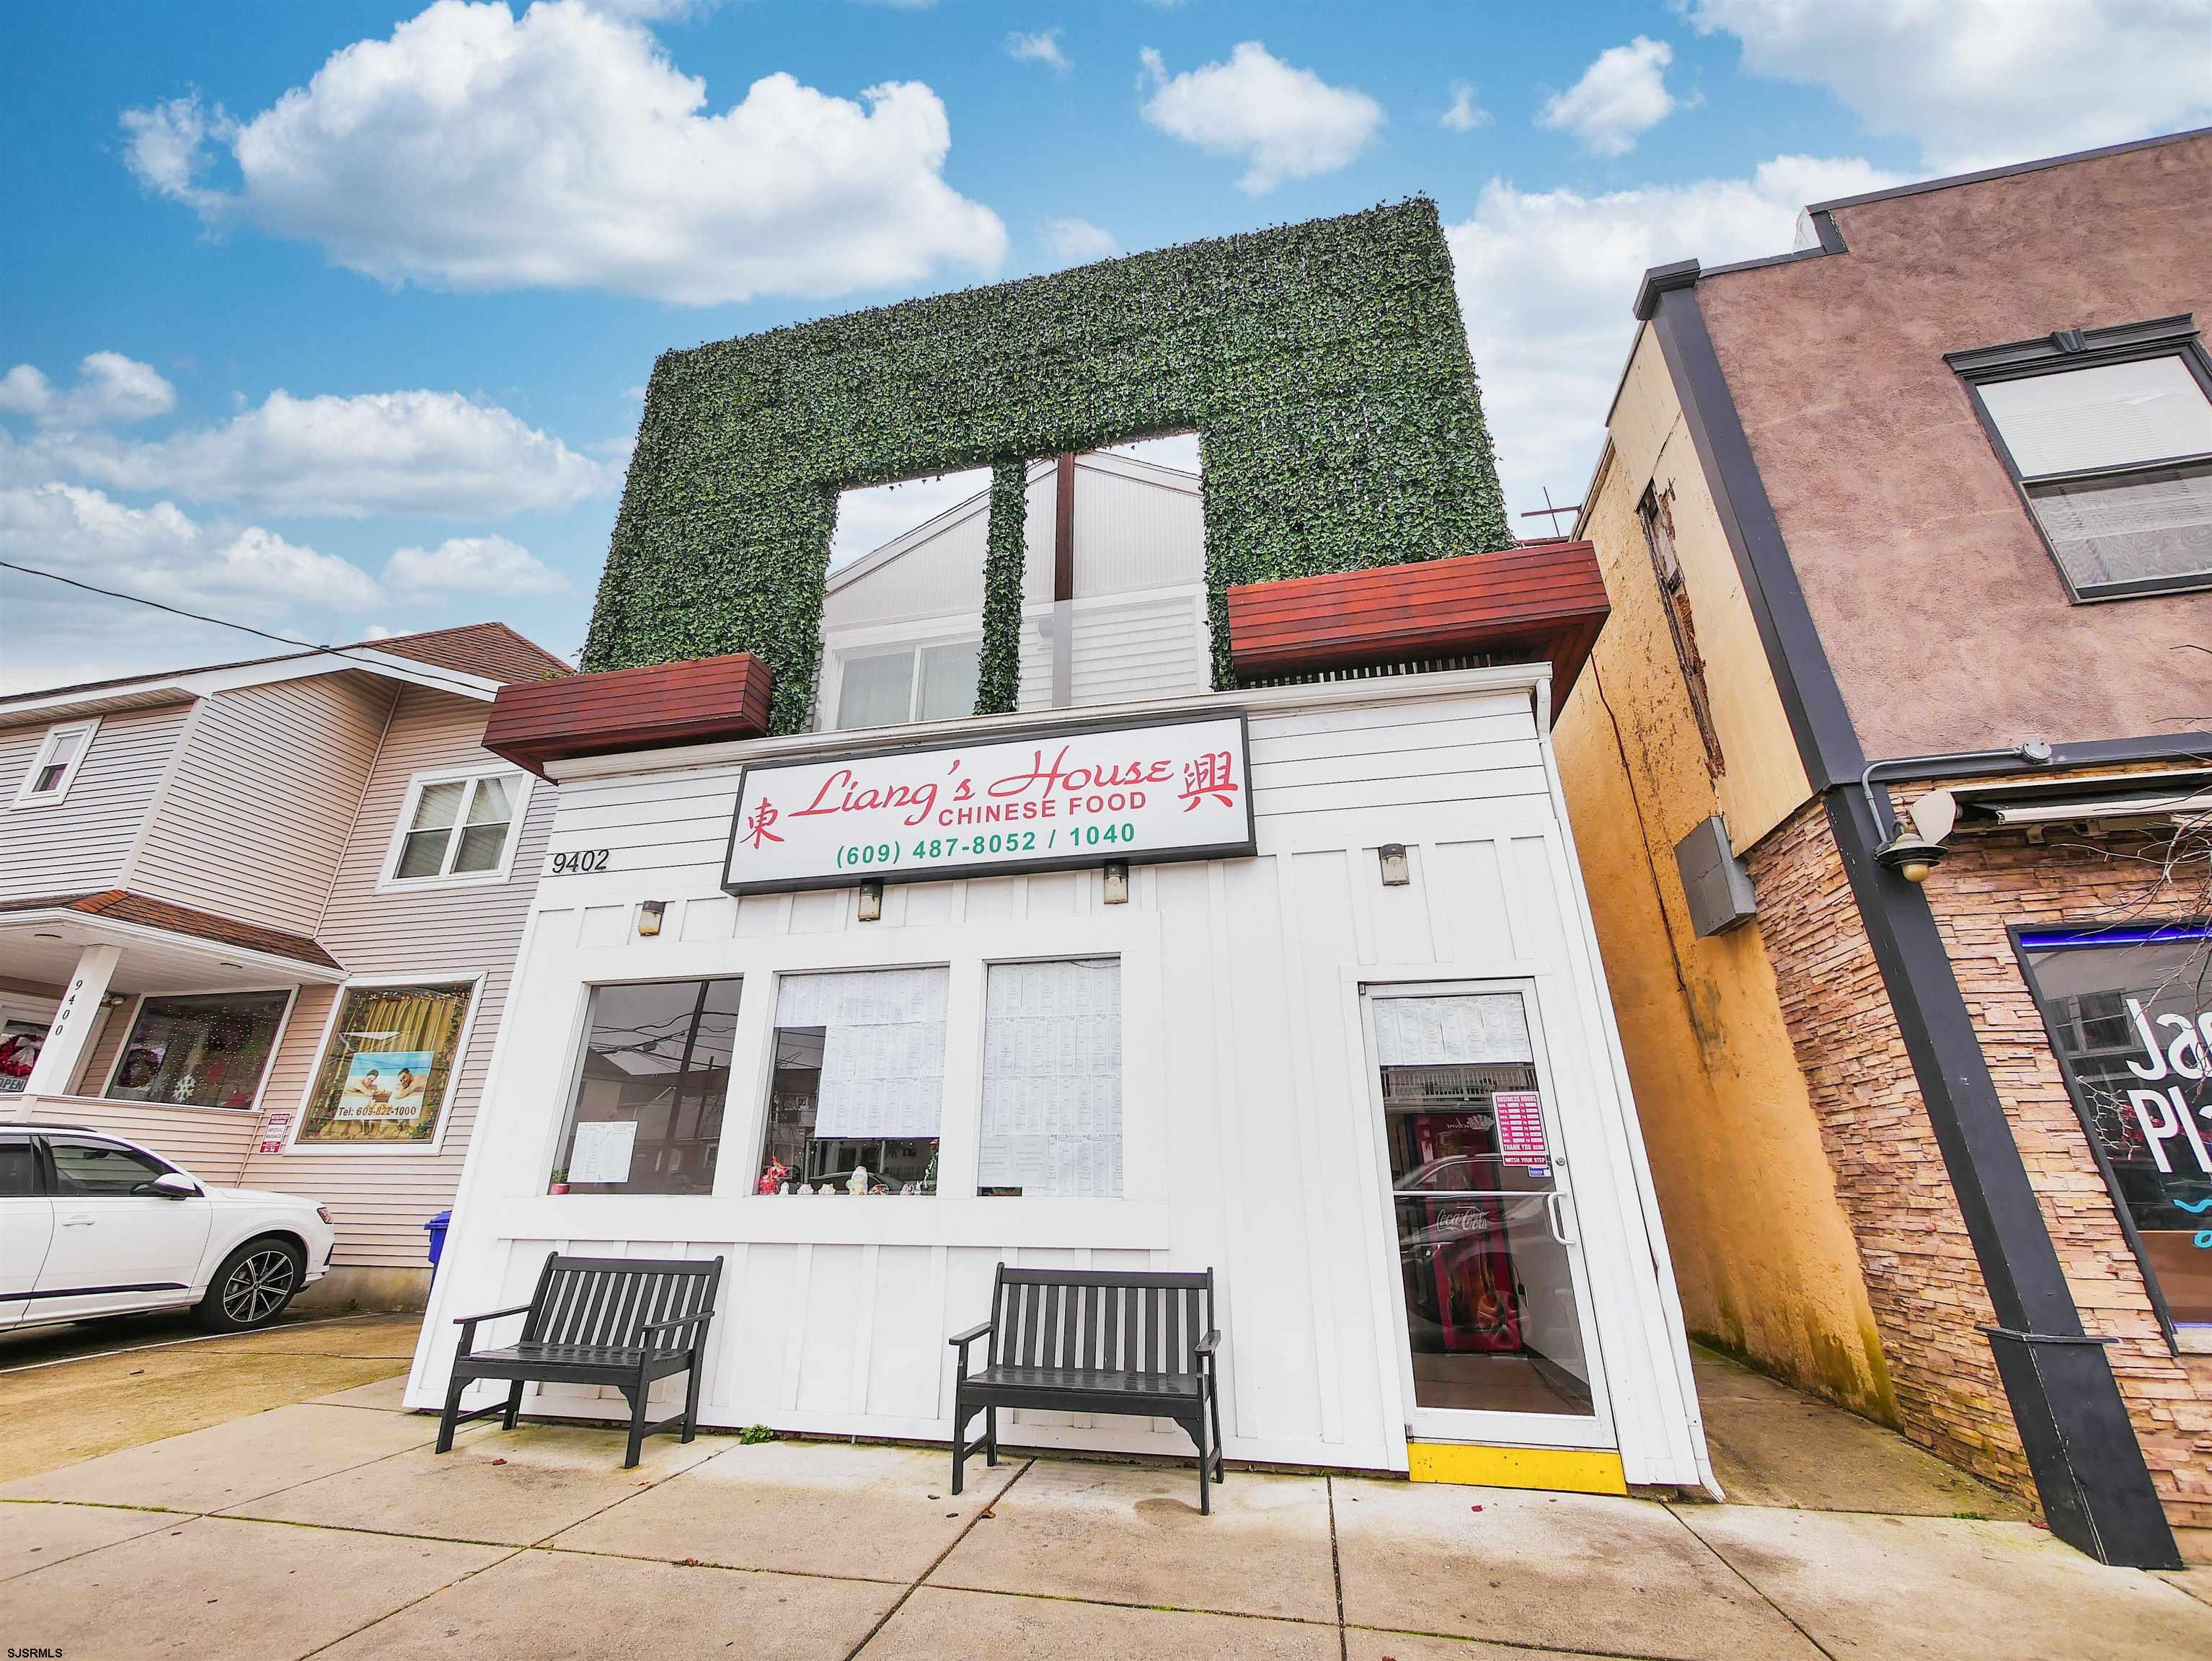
(58, 635)
(375, 452)
(1077, 241)
(1464, 115)
(1041, 47)
(1284, 122)
(1622, 96)
(110, 387)
(564, 149)
(472, 565)
(1546, 279)
(166, 148)
(1980, 82)
(872, 515)
(162, 552)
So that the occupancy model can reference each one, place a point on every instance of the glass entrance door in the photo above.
(1497, 1328)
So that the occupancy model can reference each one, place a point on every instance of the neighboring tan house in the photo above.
(260, 917)
(1932, 494)
(902, 626)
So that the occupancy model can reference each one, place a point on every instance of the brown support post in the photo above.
(1063, 532)
(1063, 585)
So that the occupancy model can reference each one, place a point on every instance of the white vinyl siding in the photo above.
(258, 810)
(1246, 1149)
(79, 845)
(1138, 617)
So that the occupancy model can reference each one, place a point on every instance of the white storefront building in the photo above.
(1296, 983)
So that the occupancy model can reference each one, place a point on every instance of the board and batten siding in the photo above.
(1250, 1138)
(262, 797)
(81, 844)
(381, 1198)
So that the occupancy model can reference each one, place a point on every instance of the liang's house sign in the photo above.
(1178, 790)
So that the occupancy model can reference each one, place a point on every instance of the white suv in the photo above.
(91, 1226)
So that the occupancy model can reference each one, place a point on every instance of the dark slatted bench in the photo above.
(619, 1321)
(1093, 1341)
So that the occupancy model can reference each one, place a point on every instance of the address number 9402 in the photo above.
(578, 862)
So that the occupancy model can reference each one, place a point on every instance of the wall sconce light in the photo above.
(872, 900)
(1394, 872)
(649, 913)
(1910, 855)
(1117, 881)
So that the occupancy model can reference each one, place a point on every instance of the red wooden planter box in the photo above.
(688, 703)
(1546, 601)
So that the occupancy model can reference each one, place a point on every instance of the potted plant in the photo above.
(560, 1183)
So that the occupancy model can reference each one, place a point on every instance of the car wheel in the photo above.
(254, 1285)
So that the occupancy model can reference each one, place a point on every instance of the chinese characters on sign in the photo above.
(1178, 791)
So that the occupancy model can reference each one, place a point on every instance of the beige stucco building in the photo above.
(1930, 496)
(261, 918)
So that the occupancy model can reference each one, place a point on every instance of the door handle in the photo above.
(78, 1222)
(1555, 1208)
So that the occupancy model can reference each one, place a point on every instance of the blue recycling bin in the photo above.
(436, 1229)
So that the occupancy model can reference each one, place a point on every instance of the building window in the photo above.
(387, 1066)
(888, 688)
(1656, 513)
(858, 1087)
(2108, 433)
(458, 826)
(20, 1043)
(54, 769)
(2130, 1014)
(646, 1116)
(1052, 1079)
(200, 1052)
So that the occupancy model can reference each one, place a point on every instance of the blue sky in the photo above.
(333, 318)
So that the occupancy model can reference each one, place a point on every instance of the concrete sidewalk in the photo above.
(329, 1528)
(70, 1393)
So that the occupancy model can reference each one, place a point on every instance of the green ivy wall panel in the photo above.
(1324, 366)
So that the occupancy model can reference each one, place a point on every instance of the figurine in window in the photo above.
(858, 1182)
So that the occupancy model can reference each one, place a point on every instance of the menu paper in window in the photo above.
(1178, 790)
(602, 1151)
(1520, 1127)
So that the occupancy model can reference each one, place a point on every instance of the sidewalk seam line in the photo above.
(1756, 1592)
(936, 1562)
(1336, 1572)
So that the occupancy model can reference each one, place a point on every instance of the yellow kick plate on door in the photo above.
(1567, 1469)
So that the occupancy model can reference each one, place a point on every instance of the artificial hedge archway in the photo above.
(1324, 366)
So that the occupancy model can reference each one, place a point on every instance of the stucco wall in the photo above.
(1941, 612)
(1763, 1256)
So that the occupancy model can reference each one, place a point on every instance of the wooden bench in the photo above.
(619, 1321)
(1086, 1341)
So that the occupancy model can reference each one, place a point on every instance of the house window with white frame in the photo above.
(926, 683)
(54, 769)
(458, 825)
(2108, 435)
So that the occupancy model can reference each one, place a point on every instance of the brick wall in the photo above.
(1918, 1264)
(1920, 1275)
(2076, 878)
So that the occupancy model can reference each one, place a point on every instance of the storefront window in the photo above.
(858, 1087)
(384, 1076)
(1487, 1269)
(2130, 1014)
(1052, 1079)
(646, 1116)
(20, 1043)
(200, 1052)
